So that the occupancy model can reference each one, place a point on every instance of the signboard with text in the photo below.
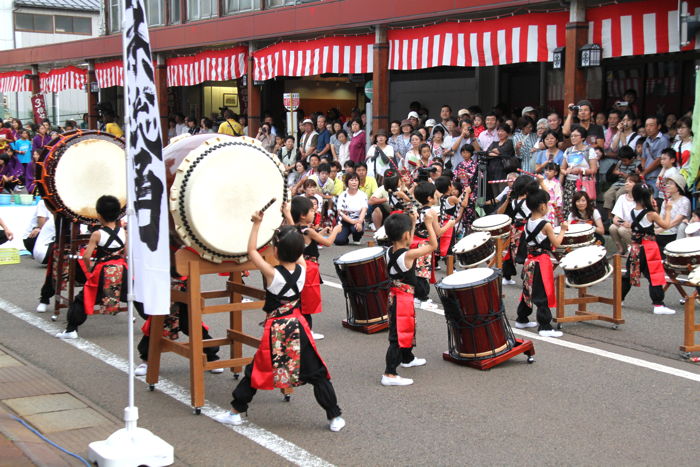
(39, 107)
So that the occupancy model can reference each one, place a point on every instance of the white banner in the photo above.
(148, 227)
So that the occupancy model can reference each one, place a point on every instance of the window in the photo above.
(72, 25)
(201, 9)
(154, 12)
(278, 3)
(235, 6)
(36, 23)
(115, 16)
(175, 17)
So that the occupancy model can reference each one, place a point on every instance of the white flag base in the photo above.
(130, 447)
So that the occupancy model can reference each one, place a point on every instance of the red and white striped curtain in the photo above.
(110, 74)
(61, 79)
(345, 55)
(638, 28)
(212, 65)
(516, 39)
(13, 81)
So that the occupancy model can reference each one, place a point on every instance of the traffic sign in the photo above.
(291, 101)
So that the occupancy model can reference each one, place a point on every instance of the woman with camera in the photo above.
(265, 137)
(578, 168)
(380, 156)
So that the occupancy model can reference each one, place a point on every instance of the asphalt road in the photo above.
(573, 406)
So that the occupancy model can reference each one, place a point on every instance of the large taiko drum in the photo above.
(77, 167)
(216, 182)
(683, 254)
(477, 328)
(586, 266)
(365, 280)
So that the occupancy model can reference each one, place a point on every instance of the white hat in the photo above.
(462, 112)
(308, 120)
(413, 114)
(527, 109)
(430, 122)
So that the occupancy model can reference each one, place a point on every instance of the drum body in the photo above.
(474, 249)
(365, 280)
(380, 237)
(577, 236)
(683, 254)
(477, 328)
(77, 168)
(216, 183)
(586, 266)
(498, 225)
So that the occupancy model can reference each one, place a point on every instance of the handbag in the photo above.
(587, 184)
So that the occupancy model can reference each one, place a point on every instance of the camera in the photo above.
(574, 108)
(423, 174)
(622, 103)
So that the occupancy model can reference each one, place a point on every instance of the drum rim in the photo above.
(588, 231)
(379, 254)
(207, 252)
(684, 253)
(507, 221)
(477, 246)
(495, 273)
(49, 161)
(561, 262)
(609, 270)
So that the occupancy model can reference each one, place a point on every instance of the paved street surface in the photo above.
(598, 396)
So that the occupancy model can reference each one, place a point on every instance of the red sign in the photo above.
(39, 108)
(291, 100)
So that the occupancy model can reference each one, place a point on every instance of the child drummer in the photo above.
(401, 264)
(287, 356)
(538, 273)
(303, 212)
(515, 207)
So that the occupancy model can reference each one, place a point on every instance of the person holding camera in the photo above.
(581, 114)
(380, 156)
(265, 137)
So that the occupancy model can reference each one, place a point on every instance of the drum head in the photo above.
(694, 276)
(216, 190)
(471, 242)
(494, 220)
(583, 257)
(361, 255)
(468, 278)
(575, 229)
(684, 246)
(180, 147)
(693, 229)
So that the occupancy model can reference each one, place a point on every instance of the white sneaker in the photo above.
(663, 310)
(229, 418)
(54, 317)
(317, 336)
(396, 381)
(415, 362)
(372, 227)
(246, 300)
(67, 335)
(141, 370)
(42, 308)
(531, 324)
(416, 302)
(429, 305)
(353, 242)
(551, 333)
(508, 281)
(216, 371)
(337, 424)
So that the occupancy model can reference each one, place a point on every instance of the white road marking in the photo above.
(583, 348)
(261, 436)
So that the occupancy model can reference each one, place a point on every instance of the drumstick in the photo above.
(558, 213)
(416, 205)
(269, 203)
(498, 181)
(525, 172)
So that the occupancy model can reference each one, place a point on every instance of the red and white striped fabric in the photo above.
(617, 87)
(60, 79)
(13, 81)
(344, 55)
(109, 74)
(516, 39)
(212, 65)
(639, 28)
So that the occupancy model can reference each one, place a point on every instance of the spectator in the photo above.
(669, 166)
(172, 132)
(541, 127)
(414, 119)
(23, 148)
(579, 161)
(287, 154)
(338, 186)
(478, 124)
(452, 133)
(626, 165)
(180, 124)
(352, 206)
(380, 156)
(335, 144)
(550, 153)
(680, 209)
(11, 171)
(206, 126)
(621, 226)
(230, 125)
(582, 117)
(84, 122)
(343, 154)
(368, 184)
(16, 128)
(503, 146)
(525, 141)
(294, 177)
(265, 137)
(412, 158)
(41, 139)
(111, 126)
(654, 144)
(6, 137)
(684, 141)
(323, 141)
(192, 127)
(554, 124)
(529, 112)
(267, 118)
(614, 119)
(356, 151)
(466, 174)
(489, 134)
(438, 143)
(625, 134)
(601, 120)
(308, 139)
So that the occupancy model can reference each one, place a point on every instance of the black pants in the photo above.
(663, 240)
(509, 269)
(343, 237)
(210, 352)
(395, 354)
(656, 292)
(312, 371)
(309, 320)
(422, 289)
(539, 299)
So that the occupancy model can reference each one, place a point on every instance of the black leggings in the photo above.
(539, 299)
(656, 292)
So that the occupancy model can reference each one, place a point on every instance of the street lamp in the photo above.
(558, 58)
(590, 55)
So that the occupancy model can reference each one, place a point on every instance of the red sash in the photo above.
(547, 275)
(311, 293)
(92, 284)
(657, 275)
(405, 317)
(262, 375)
(446, 241)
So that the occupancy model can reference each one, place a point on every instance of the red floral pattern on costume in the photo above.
(635, 269)
(528, 276)
(285, 346)
(110, 292)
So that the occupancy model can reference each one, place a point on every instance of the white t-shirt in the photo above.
(278, 282)
(352, 204)
(681, 207)
(596, 216)
(41, 211)
(380, 165)
(180, 128)
(343, 153)
(622, 208)
(400, 262)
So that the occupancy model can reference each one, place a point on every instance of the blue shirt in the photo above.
(26, 147)
(541, 157)
(651, 150)
(324, 138)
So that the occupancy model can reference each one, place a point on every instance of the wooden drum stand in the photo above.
(690, 327)
(583, 299)
(193, 266)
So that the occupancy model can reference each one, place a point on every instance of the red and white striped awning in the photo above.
(13, 81)
(60, 79)
(110, 74)
(639, 28)
(211, 65)
(516, 39)
(348, 54)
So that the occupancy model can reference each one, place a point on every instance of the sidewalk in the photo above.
(52, 409)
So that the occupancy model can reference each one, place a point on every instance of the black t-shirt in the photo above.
(595, 132)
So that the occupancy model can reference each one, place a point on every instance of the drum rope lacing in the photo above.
(183, 191)
(455, 318)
